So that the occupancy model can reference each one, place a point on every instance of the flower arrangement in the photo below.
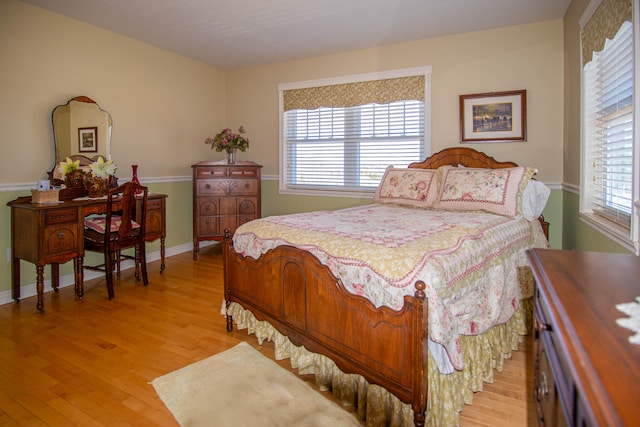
(227, 140)
(68, 167)
(102, 169)
(96, 182)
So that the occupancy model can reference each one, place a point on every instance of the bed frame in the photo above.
(302, 299)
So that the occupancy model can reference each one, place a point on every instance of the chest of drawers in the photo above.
(586, 372)
(224, 196)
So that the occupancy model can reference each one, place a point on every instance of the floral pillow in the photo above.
(409, 187)
(493, 190)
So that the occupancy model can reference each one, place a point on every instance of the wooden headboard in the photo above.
(470, 158)
(461, 156)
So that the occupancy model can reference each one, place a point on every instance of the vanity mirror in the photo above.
(81, 127)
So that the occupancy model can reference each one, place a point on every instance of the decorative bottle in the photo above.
(134, 178)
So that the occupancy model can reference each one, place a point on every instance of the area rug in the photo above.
(241, 387)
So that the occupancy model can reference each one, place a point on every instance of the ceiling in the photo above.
(243, 33)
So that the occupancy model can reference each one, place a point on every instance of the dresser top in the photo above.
(224, 163)
(582, 290)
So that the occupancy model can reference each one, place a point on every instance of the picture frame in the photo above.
(88, 140)
(493, 117)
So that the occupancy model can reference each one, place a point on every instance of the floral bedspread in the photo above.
(469, 260)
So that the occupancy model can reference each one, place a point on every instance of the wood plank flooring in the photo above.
(89, 362)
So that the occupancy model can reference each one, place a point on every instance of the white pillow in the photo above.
(534, 199)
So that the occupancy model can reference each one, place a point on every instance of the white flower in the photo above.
(102, 169)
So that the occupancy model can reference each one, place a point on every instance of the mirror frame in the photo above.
(92, 130)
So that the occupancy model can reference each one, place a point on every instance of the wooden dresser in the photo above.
(224, 196)
(586, 371)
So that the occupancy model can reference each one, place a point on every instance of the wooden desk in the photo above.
(586, 371)
(54, 233)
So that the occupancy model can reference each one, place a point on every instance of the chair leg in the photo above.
(118, 264)
(108, 261)
(141, 259)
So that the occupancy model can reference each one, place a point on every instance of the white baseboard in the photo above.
(68, 280)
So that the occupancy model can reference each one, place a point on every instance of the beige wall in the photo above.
(572, 71)
(163, 105)
(521, 57)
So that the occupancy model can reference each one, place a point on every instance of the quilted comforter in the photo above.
(473, 263)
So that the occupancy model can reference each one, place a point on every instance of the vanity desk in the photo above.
(53, 233)
(586, 371)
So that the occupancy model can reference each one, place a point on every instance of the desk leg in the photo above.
(15, 275)
(40, 286)
(161, 254)
(55, 276)
(78, 276)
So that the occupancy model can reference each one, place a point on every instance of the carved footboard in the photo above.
(301, 298)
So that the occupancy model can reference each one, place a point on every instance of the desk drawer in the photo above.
(60, 216)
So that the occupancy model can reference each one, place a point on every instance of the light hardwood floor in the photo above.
(89, 362)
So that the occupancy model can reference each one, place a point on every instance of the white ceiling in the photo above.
(242, 33)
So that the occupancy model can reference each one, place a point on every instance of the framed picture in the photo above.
(88, 140)
(493, 117)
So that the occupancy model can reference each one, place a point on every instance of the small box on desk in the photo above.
(45, 196)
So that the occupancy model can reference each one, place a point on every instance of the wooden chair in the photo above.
(126, 212)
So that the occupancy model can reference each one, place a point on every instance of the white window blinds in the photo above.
(609, 126)
(341, 138)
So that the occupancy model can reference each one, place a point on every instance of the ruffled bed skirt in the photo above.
(377, 407)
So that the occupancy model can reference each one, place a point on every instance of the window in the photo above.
(608, 117)
(338, 139)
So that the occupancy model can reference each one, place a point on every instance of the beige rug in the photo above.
(240, 387)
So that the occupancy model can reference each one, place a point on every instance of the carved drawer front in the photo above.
(60, 239)
(204, 172)
(208, 206)
(153, 226)
(209, 226)
(243, 172)
(242, 187)
(247, 206)
(154, 205)
(60, 216)
(226, 187)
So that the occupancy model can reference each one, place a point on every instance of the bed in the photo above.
(424, 343)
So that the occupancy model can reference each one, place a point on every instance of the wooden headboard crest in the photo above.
(461, 156)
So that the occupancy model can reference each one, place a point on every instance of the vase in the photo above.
(231, 156)
(74, 179)
(95, 186)
(134, 177)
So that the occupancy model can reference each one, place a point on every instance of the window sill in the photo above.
(329, 193)
(610, 230)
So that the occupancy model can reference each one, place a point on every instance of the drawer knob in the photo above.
(543, 386)
(61, 235)
(541, 326)
(207, 187)
(246, 185)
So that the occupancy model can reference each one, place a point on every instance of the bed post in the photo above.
(420, 351)
(227, 244)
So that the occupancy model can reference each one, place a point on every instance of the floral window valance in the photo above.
(382, 91)
(602, 25)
